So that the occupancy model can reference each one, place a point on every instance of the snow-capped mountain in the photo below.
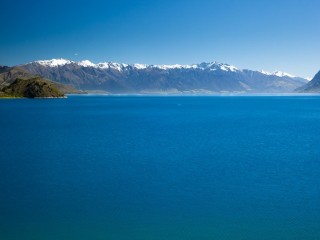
(213, 66)
(121, 66)
(54, 62)
(278, 73)
(138, 78)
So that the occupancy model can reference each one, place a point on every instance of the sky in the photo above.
(249, 34)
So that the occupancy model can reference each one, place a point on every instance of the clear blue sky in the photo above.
(254, 34)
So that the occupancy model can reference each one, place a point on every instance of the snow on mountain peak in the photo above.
(278, 74)
(140, 66)
(175, 66)
(283, 74)
(112, 65)
(231, 68)
(117, 66)
(86, 63)
(54, 62)
(211, 66)
(103, 65)
(226, 67)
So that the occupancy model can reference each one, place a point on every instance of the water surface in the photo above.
(129, 167)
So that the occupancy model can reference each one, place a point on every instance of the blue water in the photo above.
(140, 168)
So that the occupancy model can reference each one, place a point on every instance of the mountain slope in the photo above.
(140, 78)
(32, 88)
(312, 86)
(8, 75)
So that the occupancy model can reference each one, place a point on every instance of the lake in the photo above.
(160, 167)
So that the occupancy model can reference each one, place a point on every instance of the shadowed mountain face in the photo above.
(138, 78)
(312, 86)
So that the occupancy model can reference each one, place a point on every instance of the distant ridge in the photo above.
(312, 86)
(210, 77)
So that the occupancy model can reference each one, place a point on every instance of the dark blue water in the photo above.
(160, 168)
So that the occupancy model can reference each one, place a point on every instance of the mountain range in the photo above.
(211, 77)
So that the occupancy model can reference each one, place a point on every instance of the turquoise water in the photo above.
(97, 167)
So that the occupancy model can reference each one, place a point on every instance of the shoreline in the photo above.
(196, 95)
(10, 97)
(170, 95)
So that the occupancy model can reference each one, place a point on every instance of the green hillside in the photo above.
(17, 82)
(32, 88)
